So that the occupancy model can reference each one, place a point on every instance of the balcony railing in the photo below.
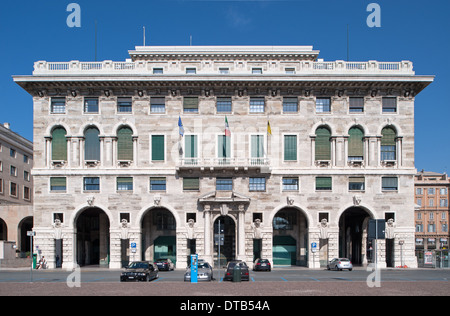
(143, 67)
(224, 162)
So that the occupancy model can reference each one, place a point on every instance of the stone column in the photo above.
(207, 233)
(241, 233)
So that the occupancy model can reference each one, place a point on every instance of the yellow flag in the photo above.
(269, 130)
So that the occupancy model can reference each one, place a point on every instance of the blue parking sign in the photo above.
(133, 245)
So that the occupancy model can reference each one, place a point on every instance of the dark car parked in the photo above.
(245, 276)
(165, 264)
(139, 271)
(262, 265)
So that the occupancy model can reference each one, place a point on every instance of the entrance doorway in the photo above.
(226, 239)
(290, 237)
(25, 225)
(159, 235)
(92, 237)
(352, 226)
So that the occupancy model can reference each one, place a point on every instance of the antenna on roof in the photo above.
(144, 34)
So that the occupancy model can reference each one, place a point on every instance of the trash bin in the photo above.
(34, 260)
(237, 273)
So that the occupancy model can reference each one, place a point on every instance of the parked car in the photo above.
(245, 276)
(262, 265)
(165, 264)
(339, 264)
(139, 271)
(204, 272)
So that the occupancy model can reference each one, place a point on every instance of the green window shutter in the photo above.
(323, 183)
(257, 143)
(388, 136)
(190, 103)
(191, 149)
(355, 142)
(323, 144)
(91, 144)
(58, 184)
(192, 184)
(224, 146)
(59, 144)
(125, 144)
(290, 147)
(158, 147)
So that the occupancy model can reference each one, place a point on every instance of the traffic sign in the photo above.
(133, 245)
(313, 246)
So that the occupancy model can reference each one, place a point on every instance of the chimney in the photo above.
(6, 125)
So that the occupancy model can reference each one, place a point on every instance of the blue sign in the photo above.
(314, 245)
(133, 245)
(194, 268)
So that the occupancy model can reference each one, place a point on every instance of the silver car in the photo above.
(205, 272)
(339, 264)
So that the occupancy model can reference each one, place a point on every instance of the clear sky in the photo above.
(413, 30)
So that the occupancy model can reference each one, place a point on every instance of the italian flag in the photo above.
(227, 128)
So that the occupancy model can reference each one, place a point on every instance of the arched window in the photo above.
(323, 143)
(91, 144)
(355, 144)
(388, 143)
(59, 144)
(125, 143)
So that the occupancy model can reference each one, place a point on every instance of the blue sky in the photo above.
(410, 30)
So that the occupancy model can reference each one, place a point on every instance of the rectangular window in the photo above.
(290, 184)
(430, 202)
(13, 171)
(419, 191)
(1, 186)
(191, 71)
(389, 104)
(431, 228)
(91, 105)
(190, 104)
(25, 159)
(323, 105)
(13, 189)
(257, 105)
(157, 105)
(157, 184)
(389, 184)
(356, 184)
(257, 71)
(257, 147)
(224, 105)
(58, 184)
(124, 184)
(323, 184)
(158, 71)
(290, 147)
(191, 147)
(289, 71)
(356, 104)
(443, 191)
(419, 228)
(443, 203)
(224, 184)
(26, 193)
(157, 147)
(257, 184)
(124, 105)
(290, 105)
(431, 191)
(191, 184)
(91, 184)
(419, 202)
(224, 71)
(388, 152)
(58, 105)
(224, 146)
(12, 153)
(431, 215)
(26, 175)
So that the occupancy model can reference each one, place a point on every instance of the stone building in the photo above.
(432, 210)
(16, 188)
(142, 159)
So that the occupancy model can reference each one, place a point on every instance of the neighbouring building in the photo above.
(265, 151)
(432, 214)
(16, 188)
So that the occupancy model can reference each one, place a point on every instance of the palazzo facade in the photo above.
(292, 155)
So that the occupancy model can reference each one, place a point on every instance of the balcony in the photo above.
(261, 165)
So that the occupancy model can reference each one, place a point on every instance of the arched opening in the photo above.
(93, 237)
(355, 144)
(3, 230)
(24, 242)
(159, 235)
(290, 237)
(59, 144)
(124, 143)
(353, 235)
(91, 144)
(225, 240)
(323, 143)
(388, 143)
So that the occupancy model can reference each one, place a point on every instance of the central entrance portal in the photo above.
(225, 235)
